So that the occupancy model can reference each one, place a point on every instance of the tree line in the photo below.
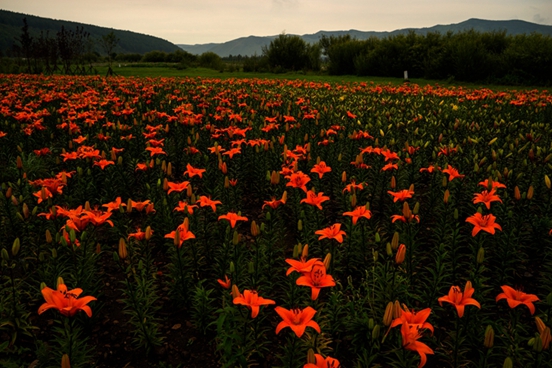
(471, 56)
(468, 56)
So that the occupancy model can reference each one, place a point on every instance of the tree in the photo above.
(26, 44)
(287, 52)
(108, 43)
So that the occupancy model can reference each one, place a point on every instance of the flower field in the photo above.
(192, 222)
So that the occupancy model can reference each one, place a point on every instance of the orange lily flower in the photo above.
(491, 184)
(103, 163)
(486, 198)
(460, 299)
(417, 319)
(298, 180)
(98, 218)
(321, 168)
(183, 233)
(184, 206)
(315, 199)
(140, 206)
(302, 266)
(402, 195)
(114, 205)
(138, 235)
(357, 213)
(155, 151)
(390, 166)
(516, 297)
(486, 223)
(322, 362)
(410, 335)
(233, 218)
(206, 201)
(296, 319)
(226, 283)
(192, 171)
(253, 301)
(332, 232)
(177, 187)
(453, 173)
(66, 301)
(315, 279)
(353, 187)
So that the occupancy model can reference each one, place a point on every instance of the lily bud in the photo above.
(165, 184)
(393, 184)
(305, 251)
(235, 238)
(353, 200)
(275, 177)
(388, 249)
(65, 362)
(123, 253)
(375, 332)
(547, 181)
(25, 210)
(401, 253)
(169, 169)
(508, 363)
(59, 281)
(311, 359)
(9, 192)
(446, 196)
(540, 324)
(530, 192)
(489, 337)
(517, 194)
(546, 338)
(327, 261)
(16, 246)
(48, 236)
(299, 225)
(149, 232)
(388, 315)
(176, 240)
(344, 177)
(5, 255)
(235, 291)
(255, 231)
(480, 255)
(19, 162)
(395, 241)
(406, 211)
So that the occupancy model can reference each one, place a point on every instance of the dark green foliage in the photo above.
(466, 56)
(290, 52)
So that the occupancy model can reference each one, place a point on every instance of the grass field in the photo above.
(127, 70)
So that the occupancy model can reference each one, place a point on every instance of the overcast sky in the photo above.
(205, 21)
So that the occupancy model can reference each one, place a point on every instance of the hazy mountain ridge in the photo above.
(129, 42)
(248, 46)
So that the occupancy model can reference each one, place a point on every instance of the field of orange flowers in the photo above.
(273, 223)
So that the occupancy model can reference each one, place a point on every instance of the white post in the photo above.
(406, 75)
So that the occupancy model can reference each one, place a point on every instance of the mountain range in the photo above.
(133, 42)
(252, 45)
(129, 42)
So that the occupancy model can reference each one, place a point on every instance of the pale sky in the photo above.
(205, 21)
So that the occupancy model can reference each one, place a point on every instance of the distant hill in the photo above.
(248, 46)
(129, 42)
